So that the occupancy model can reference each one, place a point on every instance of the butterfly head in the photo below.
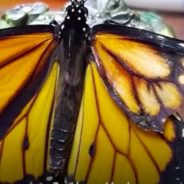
(77, 11)
(76, 16)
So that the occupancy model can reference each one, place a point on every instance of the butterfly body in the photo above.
(73, 48)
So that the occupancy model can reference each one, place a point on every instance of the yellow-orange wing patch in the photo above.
(24, 63)
(109, 148)
(24, 149)
(141, 77)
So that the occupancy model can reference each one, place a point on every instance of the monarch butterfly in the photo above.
(84, 104)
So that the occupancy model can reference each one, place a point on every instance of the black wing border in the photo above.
(26, 29)
(164, 42)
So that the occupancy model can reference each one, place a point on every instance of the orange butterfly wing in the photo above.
(109, 148)
(143, 72)
(24, 64)
(134, 77)
(28, 81)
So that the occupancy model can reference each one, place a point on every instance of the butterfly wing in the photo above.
(143, 71)
(109, 148)
(28, 78)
